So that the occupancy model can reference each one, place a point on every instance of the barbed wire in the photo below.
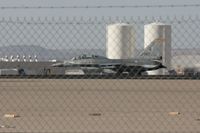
(100, 6)
(95, 20)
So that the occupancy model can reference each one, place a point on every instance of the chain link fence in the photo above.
(86, 66)
(55, 40)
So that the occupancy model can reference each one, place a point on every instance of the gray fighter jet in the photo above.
(136, 66)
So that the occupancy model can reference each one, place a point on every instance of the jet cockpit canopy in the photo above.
(88, 57)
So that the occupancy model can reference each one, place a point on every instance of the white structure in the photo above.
(30, 58)
(24, 58)
(35, 58)
(74, 72)
(160, 34)
(11, 58)
(9, 72)
(18, 58)
(5, 59)
(120, 41)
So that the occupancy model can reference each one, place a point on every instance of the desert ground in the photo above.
(99, 105)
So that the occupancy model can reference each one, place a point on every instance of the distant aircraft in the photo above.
(136, 66)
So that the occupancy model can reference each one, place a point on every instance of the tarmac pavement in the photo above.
(99, 105)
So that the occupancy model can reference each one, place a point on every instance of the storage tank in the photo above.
(160, 33)
(120, 41)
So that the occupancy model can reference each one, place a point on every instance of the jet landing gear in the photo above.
(129, 71)
(119, 73)
(135, 74)
(132, 74)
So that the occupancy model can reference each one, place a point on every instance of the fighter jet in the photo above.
(135, 66)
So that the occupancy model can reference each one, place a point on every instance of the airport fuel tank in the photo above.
(120, 41)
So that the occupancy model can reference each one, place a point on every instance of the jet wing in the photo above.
(109, 65)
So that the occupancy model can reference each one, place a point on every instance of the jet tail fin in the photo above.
(151, 50)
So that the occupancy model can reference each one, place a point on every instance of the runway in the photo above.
(100, 105)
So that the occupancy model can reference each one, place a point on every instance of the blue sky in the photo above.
(98, 12)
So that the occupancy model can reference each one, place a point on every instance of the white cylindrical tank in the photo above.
(120, 41)
(160, 33)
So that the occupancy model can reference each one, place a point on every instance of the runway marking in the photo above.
(7, 126)
(174, 113)
(11, 115)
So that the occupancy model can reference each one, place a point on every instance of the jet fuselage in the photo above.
(132, 66)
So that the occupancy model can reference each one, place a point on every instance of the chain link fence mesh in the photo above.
(73, 99)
